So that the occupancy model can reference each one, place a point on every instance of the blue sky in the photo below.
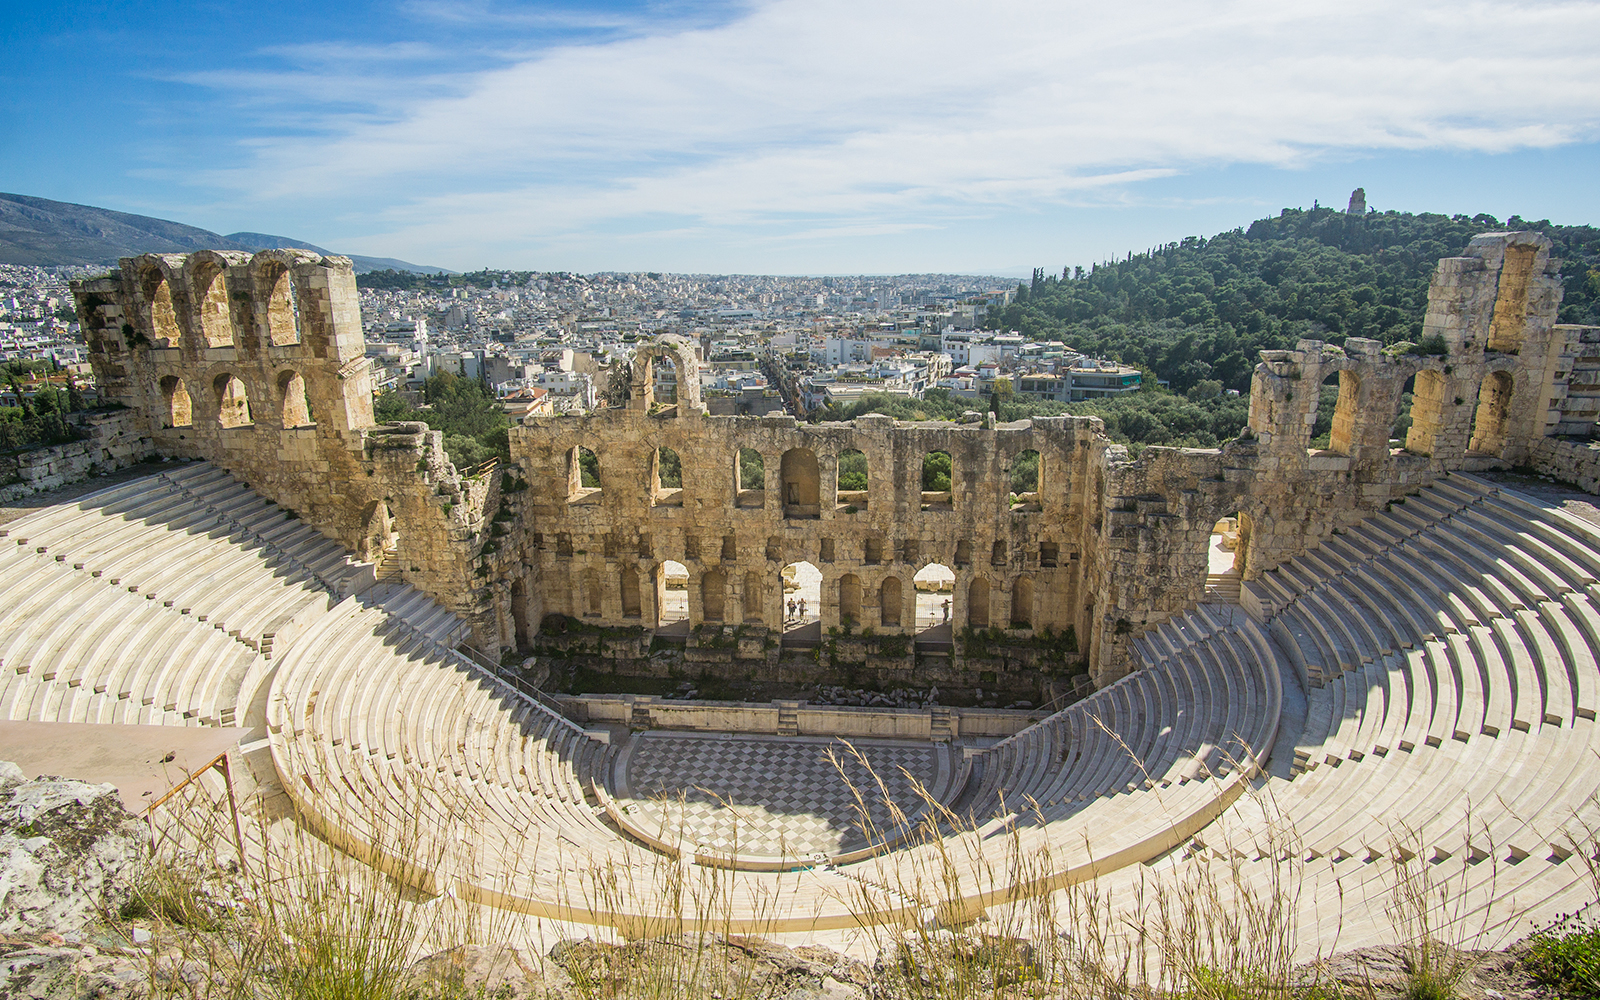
(795, 136)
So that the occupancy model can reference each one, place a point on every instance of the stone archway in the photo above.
(683, 354)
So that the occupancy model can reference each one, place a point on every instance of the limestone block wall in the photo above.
(1576, 462)
(811, 720)
(116, 440)
(1488, 383)
(1579, 404)
(257, 362)
(600, 554)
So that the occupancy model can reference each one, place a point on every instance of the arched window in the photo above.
(1511, 300)
(1333, 424)
(730, 548)
(963, 553)
(180, 410)
(1026, 476)
(938, 481)
(849, 599)
(630, 592)
(583, 475)
(1342, 430)
(233, 403)
(1022, 602)
(852, 482)
(666, 479)
(752, 596)
(889, 601)
(211, 294)
(164, 330)
(801, 483)
(1427, 412)
(713, 594)
(749, 478)
(283, 306)
(978, 603)
(296, 407)
(1494, 412)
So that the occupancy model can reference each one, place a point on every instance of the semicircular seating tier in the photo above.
(155, 601)
(1205, 704)
(1426, 680)
(1449, 649)
(374, 727)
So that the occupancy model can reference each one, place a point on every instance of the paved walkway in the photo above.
(767, 796)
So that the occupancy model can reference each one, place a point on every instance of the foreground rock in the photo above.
(68, 852)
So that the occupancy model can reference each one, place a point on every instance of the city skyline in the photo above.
(770, 138)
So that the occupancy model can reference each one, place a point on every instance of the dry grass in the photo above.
(299, 920)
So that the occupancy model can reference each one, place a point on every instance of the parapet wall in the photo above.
(256, 362)
(115, 440)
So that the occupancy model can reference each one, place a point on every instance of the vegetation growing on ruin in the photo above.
(41, 419)
(475, 428)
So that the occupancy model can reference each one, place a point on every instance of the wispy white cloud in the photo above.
(806, 117)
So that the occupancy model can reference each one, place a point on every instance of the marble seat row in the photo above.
(74, 650)
(367, 708)
(1205, 703)
(1449, 646)
(198, 541)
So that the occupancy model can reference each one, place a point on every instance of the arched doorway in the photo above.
(800, 592)
(1225, 559)
(672, 594)
(378, 536)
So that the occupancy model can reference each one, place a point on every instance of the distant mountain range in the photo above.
(48, 233)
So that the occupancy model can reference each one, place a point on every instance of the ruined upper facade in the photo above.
(256, 362)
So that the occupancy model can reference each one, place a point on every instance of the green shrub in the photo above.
(1568, 962)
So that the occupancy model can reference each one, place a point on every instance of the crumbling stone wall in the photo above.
(594, 549)
(1490, 376)
(115, 440)
(257, 363)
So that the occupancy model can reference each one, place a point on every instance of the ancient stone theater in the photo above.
(1369, 644)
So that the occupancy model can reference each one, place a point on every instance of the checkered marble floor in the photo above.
(766, 796)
